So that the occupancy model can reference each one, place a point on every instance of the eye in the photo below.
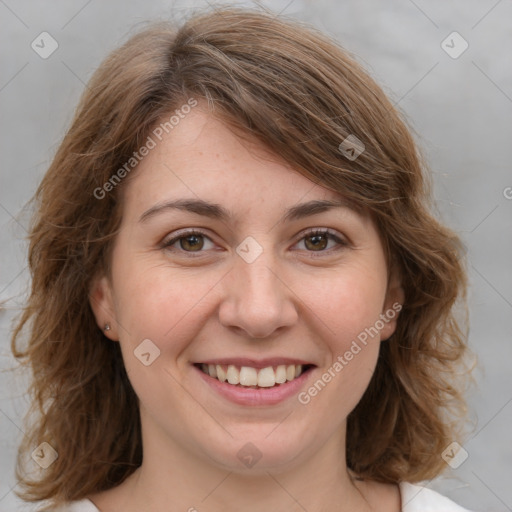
(322, 240)
(194, 241)
(189, 242)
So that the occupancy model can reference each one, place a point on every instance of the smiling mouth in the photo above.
(249, 377)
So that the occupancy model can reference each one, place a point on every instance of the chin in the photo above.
(256, 452)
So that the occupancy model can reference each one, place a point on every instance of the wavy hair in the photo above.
(301, 95)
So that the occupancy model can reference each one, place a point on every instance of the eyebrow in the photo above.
(216, 211)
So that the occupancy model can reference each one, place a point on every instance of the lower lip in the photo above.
(251, 396)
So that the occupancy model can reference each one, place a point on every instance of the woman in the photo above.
(240, 300)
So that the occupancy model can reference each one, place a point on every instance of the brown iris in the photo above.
(192, 243)
(318, 241)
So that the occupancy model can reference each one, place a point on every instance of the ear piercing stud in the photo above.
(107, 327)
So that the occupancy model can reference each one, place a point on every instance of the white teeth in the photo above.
(266, 377)
(281, 374)
(221, 374)
(248, 376)
(233, 375)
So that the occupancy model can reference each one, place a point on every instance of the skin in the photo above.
(294, 300)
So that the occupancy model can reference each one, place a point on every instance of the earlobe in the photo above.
(102, 305)
(393, 304)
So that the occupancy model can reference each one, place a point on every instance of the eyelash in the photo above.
(167, 244)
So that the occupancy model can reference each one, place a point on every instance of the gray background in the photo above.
(460, 108)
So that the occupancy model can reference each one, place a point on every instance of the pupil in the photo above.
(192, 242)
(318, 241)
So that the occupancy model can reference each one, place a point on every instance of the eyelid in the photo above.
(326, 231)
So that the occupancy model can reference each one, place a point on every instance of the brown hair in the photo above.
(301, 95)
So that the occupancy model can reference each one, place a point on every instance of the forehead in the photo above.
(202, 158)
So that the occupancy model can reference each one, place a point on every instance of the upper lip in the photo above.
(255, 363)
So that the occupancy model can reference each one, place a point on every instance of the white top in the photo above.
(415, 498)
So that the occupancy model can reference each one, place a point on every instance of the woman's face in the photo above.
(259, 293)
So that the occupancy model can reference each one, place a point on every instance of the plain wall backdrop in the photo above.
(458, 100)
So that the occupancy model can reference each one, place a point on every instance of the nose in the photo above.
(257, 299)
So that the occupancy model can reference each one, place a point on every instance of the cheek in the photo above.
(162, 304)
(353, 345)
(169, 308)
(348, 303)
(347, 312)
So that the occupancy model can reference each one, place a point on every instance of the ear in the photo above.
(393, 303)
(102, 305)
